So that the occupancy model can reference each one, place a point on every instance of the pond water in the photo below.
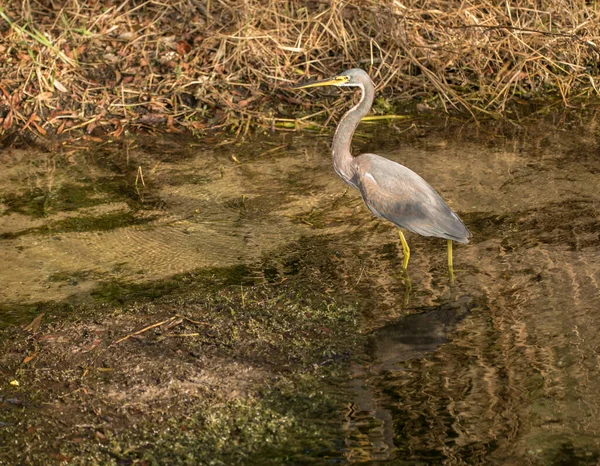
(500, 367)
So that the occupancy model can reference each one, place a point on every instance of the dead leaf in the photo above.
(183, 47)
(31, 118)
(424, 108)
(41, 130)
(6, 94)
(42, 96)
(127, 35)
(8, 121)
(245, 102)
(92, 138)
(34, 325)
(30, 358)
(58, 85)
(91, 127)
(152, 119)
(171, 125)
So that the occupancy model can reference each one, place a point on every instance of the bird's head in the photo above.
(350, 78)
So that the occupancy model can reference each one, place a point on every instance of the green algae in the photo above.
(292, 339)
(69, 197)
(83, 223)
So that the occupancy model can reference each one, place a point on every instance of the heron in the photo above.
(390, 191)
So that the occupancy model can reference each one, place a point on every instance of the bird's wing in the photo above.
(398, 194)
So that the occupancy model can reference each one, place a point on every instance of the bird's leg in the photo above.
(405, 251)
(407, 288)
(450, 268)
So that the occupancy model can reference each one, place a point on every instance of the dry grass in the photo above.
(102, 66)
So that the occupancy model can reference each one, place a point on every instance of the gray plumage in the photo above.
(398, 194)
(390, 190)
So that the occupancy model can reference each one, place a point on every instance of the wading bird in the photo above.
(390, 190)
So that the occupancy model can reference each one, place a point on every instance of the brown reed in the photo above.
(101, 67)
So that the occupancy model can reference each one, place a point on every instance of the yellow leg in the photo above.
(405, 251)
(407, 287)
(450, 268)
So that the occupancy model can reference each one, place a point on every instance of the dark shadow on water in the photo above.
(416, 335)
(371, 423)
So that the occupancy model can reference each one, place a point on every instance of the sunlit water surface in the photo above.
(500, 367)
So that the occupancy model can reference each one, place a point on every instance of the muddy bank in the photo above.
(214, 373)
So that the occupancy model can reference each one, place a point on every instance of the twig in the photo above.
(145, 329)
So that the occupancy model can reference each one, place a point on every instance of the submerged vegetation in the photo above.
(206, 373)
(106, 67)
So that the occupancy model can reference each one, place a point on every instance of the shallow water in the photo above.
(499, 367)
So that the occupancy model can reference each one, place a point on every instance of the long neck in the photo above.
(342, 140)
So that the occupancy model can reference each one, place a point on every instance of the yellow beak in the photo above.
(335, 81)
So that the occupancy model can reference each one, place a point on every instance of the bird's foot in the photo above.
(407, 286)
(451, 275)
